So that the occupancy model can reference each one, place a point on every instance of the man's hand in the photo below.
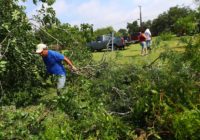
(74, 68)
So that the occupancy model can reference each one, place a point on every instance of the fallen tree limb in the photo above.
(152, 62)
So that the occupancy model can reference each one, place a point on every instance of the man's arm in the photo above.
(69, 63)
(144, 36)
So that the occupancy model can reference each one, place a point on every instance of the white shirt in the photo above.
(148, 34)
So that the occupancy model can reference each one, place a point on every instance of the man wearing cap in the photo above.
(52, 60)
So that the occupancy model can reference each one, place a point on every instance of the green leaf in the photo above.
(15, 15)
(3, 62)
(154, 91)
(5, 25)
(50, 2)
(157, 136)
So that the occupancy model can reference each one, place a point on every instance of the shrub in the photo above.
(186, 125)
(166, 36)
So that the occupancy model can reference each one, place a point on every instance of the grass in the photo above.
(131, 54)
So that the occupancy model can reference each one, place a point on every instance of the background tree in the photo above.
(165, 22)
(123, 32)
(198, 18)
(175, 13)
(160, 24)
(147, 24)
(133, 27)
(49, 2)
(186, 25)
(103, 31)
(17, 44)
(87, 32)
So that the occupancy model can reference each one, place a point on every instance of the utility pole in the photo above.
(112, 41)
(140, 16)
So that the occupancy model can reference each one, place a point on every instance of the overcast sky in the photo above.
(103, 13)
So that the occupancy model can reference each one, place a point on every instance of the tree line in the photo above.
(177, 20)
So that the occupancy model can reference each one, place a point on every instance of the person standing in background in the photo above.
(142, 39)
(148, 38)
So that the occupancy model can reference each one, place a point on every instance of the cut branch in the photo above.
(153, 62)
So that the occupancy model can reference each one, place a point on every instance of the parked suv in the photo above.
(105, 42)
(101, 43)
(118, 43)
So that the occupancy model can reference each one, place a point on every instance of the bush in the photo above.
(165, 36)
(186, 125)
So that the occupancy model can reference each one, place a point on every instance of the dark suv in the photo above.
(105, 42)
(118, 43)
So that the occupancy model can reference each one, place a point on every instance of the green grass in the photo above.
(131, 54)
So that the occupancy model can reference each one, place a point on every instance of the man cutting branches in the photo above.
(53, 61)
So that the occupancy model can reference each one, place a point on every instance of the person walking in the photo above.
(148, 38)
(142, 39)
(52, 60)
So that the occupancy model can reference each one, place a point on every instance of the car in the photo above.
(101, 43)
(118, 43)
(105, 42)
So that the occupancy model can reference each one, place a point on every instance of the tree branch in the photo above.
(152, 62)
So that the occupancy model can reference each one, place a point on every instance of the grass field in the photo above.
(131, 54)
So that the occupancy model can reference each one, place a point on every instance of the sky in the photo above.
(104, 13)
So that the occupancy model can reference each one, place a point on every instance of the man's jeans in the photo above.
(60, 83)
(148, 43)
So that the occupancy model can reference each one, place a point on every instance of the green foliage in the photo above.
(165, 36)
(56, 127)
(46, 16)
(123, 32)
(198, 17)
(18, 124)
(2, 66)
(133, 27)
(156, 42)
(17, 44)
(87, 32)
(148, 98)
(186, 25)
(160, 24)
(88, 118)
(49, 2)
(103, 31)
(175, 13)
(166, 21)
(192, 53)
(186, 125)
(147, 24)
